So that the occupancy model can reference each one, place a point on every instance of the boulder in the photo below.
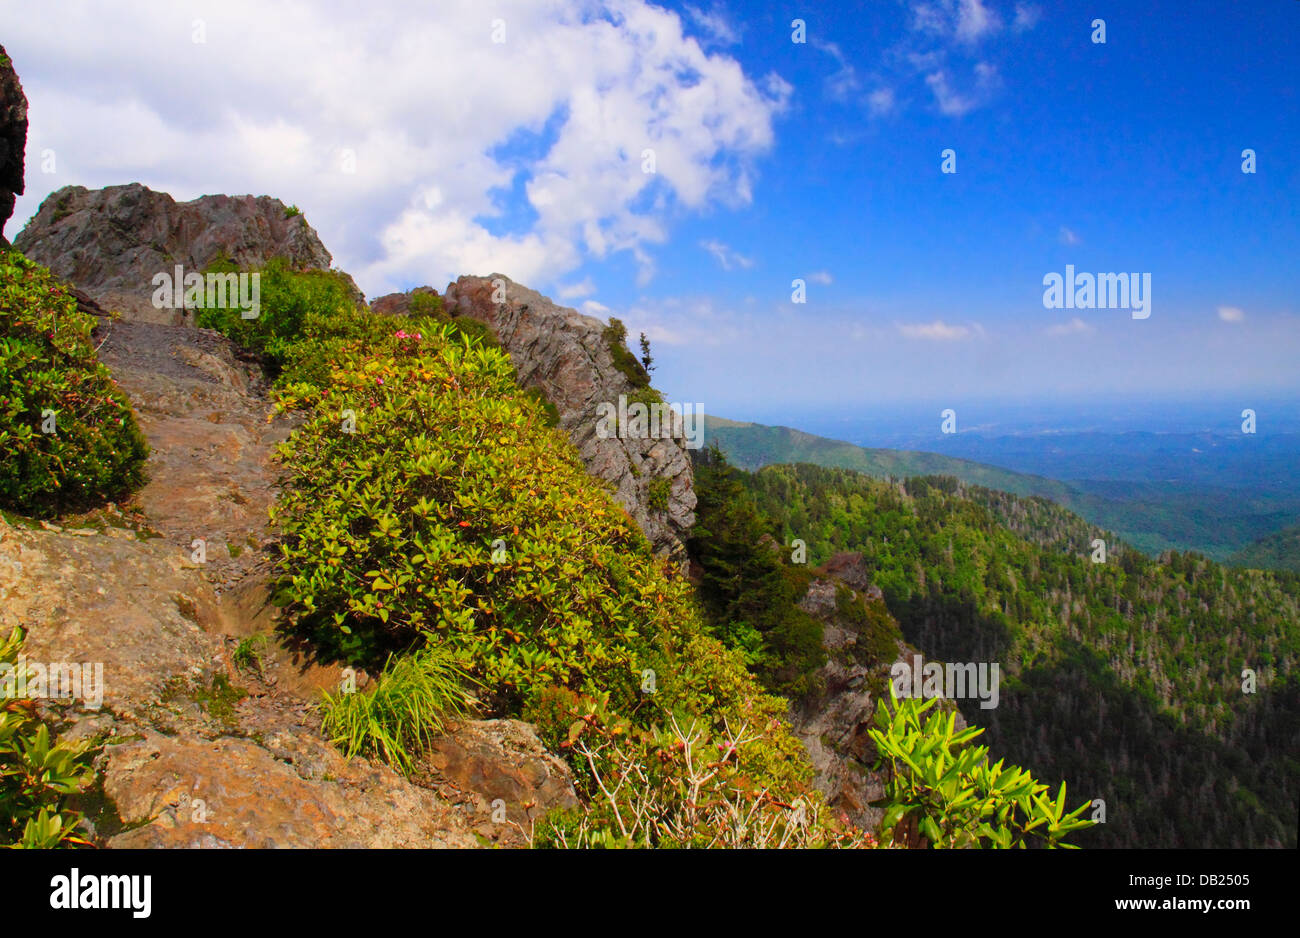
(112, 242)
(502, 770)
(399, 304)
(231, 792)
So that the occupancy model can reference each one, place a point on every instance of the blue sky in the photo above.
(1115, 157)
(776, 160)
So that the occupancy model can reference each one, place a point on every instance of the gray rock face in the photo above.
(13, 139)
(112, 242)
(834, 726)
(564, 354)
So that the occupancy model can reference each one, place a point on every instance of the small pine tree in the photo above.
(647, 362)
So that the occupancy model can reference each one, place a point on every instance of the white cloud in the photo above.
(714, 24)
(820, 276)
(695, 321)
(593, 308)
(1075, 326)
(939, 331)
(725, 256)
(444, 124)
(844, 81)
(1027, 17)
(881, 102)
(1231, 314)
(664, 336)
(955, 102)
(576, 291)
(974, 21)
(1068, 237)
(966, 21)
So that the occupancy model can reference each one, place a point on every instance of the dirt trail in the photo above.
(205, 413)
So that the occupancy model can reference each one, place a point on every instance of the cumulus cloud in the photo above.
(938, 331)
(727, 258)
(1231, 314)
(419, 147)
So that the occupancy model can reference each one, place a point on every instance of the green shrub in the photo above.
(48, 364)
(430, 306)
(390, 529)
(37, 774)
(943, 790)
(454, 516)
(426, 305)
(615, 335)
(658, 493)
(287, 299)
(414, 697)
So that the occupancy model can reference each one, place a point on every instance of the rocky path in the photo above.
(195, 751)
(205, 414)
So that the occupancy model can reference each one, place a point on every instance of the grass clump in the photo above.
(414, 698)
(247, 655)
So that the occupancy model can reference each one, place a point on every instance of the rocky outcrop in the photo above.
(399, 304)
(13, 139)
(112, 242)
(564, 354)
(862, 642)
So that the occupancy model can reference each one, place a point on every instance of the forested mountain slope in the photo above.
(1126, 677)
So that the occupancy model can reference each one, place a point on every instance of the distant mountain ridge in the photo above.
(1222, 522)
(751, 446)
